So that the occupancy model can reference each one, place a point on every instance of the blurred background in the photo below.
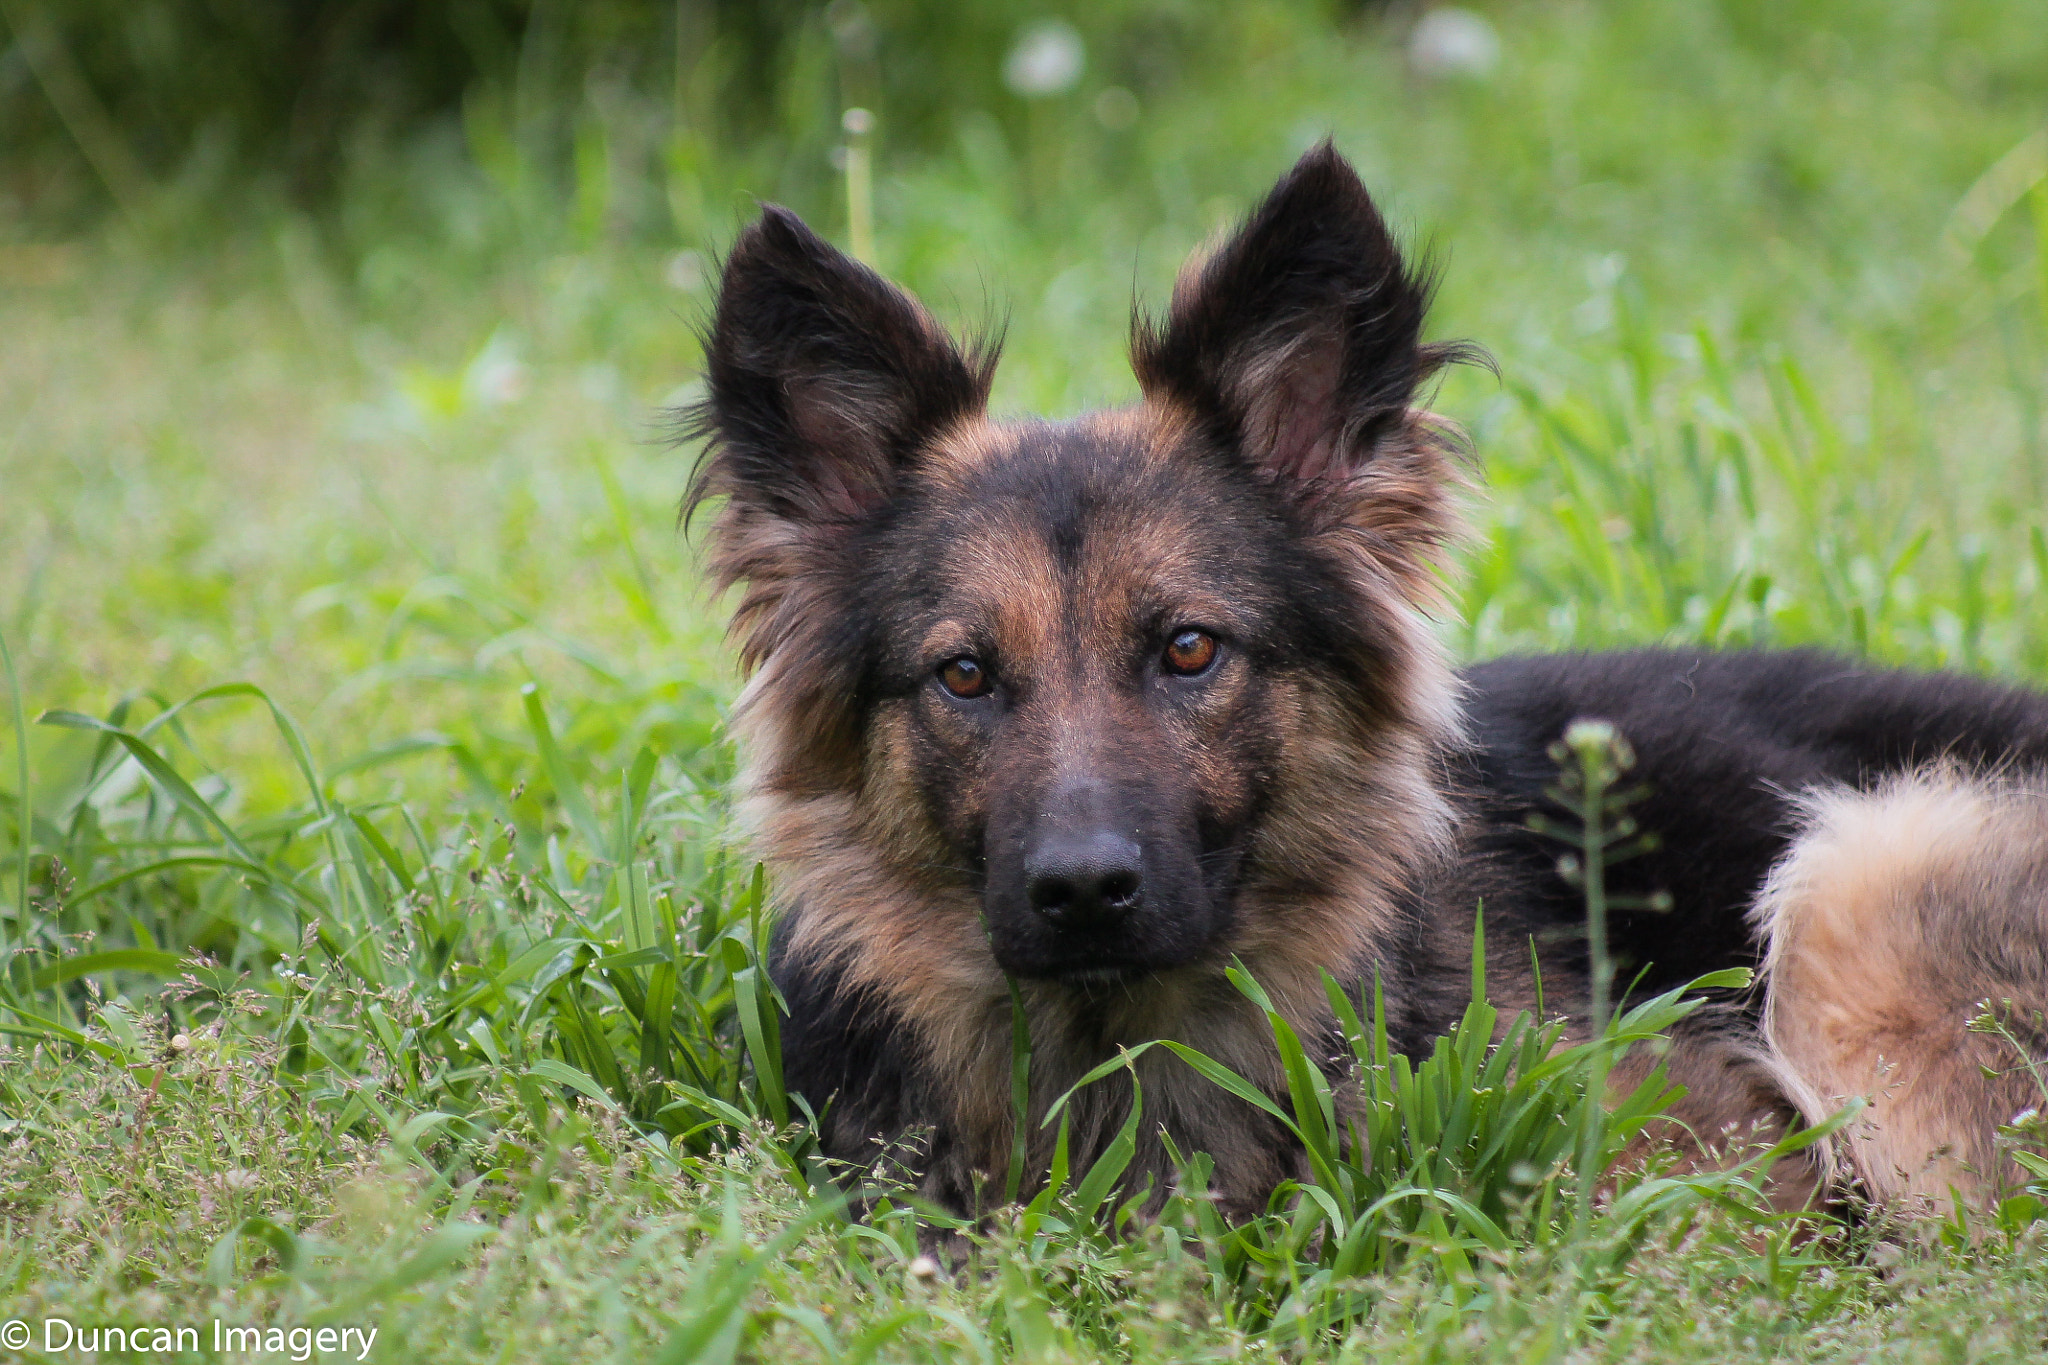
(338, 333)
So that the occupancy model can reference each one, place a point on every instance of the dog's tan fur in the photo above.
(1898, 912)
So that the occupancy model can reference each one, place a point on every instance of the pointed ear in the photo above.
(823, 380)
(1299, 342)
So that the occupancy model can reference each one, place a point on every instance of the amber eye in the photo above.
(1190, 652)
(964, 678)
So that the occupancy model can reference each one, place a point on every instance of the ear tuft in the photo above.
(822, 379)
(1298, 342)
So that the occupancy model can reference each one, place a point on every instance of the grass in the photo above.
(376, 948)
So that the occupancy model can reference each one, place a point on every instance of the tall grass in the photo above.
(632, 948)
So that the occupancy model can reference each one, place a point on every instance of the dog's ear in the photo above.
(823, 379)
(1299, 341)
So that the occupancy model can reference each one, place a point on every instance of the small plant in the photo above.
(2023, 1138)
(1591, 759)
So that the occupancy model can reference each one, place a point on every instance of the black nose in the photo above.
(1086, 881)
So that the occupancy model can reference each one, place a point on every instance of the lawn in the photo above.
(376, 948)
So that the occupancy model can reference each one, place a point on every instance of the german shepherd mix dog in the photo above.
(1096, 707)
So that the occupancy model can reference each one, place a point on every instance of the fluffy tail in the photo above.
(1905, 922)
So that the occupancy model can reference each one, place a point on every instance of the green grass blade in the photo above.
(24, 824)
(574, 803)
(154, 962)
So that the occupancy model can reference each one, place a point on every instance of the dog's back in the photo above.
(1876, 840)
(1725, 743)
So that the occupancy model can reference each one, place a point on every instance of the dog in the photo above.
(1067, 717)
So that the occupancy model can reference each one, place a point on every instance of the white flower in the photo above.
(1453, 42)
(1047, 59)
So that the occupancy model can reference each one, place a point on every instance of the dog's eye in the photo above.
(1190, 652)
(964, 678)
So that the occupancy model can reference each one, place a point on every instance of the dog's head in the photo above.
(1127, 690)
